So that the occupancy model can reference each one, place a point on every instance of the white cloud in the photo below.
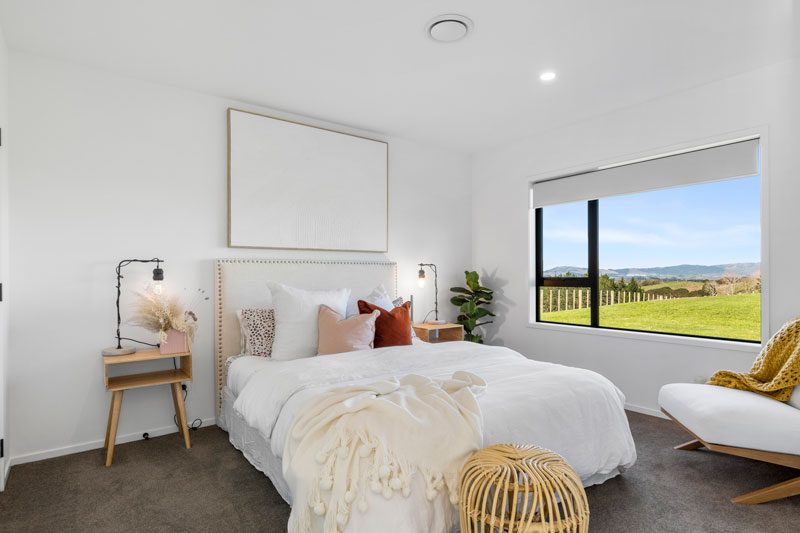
(661, 235)
(565, 234)
(680, 236)
(632, 237)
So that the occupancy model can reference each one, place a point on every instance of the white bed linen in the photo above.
(574, 412)
(247, 365)
(241, 368)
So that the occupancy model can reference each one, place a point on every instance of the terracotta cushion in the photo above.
(393, 328)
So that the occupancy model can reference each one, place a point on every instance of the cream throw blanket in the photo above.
(376, 437)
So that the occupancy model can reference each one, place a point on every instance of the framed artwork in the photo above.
(294, 186)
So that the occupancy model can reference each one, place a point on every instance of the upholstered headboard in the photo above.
(242, 283)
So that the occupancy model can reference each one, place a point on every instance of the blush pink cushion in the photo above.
(338, 334)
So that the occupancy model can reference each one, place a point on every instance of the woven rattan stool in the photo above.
(521, 489)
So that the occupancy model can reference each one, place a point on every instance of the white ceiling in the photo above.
(369, 64)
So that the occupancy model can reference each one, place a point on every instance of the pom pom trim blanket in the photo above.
(376, 437)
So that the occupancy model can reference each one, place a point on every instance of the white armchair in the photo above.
(739, 423)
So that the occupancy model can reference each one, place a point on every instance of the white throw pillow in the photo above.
(794, 401)
(379, 296)
(399, 302)
(296, 318)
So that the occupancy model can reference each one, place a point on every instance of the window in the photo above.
(565, 245)
(669, 245)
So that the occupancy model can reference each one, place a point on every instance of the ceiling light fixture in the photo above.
(547, 76)
(448, 28)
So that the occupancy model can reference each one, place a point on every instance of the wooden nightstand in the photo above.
(439, 332)
(119, 384)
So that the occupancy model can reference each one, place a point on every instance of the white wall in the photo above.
(107, 168)
(3, 252)
(762, 99)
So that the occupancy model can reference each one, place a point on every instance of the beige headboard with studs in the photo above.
(242, 283)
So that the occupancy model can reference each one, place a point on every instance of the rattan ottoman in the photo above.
(521, 489)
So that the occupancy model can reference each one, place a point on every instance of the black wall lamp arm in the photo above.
(435, 285)
(158, 275)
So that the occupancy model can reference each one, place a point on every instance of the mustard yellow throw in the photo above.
(777, 368)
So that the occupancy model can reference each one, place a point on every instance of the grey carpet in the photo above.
(158, 485)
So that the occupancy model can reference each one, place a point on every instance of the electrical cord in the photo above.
(140, 342)
(196, 423)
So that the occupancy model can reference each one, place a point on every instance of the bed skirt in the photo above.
(254, 447)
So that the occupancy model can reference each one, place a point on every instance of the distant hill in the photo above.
(668, 272)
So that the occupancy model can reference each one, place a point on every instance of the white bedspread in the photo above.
(574, 412)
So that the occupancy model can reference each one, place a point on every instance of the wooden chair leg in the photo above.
(691, 445)
(773, 492)
(180, 410)
(110, 415)
(116, 404)
(767, 494)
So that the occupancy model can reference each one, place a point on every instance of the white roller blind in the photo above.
(735, 160)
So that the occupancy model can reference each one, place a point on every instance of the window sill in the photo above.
(655, 337)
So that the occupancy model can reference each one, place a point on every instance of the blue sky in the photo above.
(706, 224)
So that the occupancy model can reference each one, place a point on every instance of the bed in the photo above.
(574, 412)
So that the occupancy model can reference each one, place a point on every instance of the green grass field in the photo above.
(732, 317)
(688, 285)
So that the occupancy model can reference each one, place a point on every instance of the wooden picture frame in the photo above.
(302, 187)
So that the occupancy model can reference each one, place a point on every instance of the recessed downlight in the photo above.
(448, 28)
(548, 75)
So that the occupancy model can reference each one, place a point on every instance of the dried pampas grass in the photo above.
(160, 313)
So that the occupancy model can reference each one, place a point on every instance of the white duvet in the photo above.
(574, 412)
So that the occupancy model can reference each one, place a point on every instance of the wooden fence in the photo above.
(567, 299)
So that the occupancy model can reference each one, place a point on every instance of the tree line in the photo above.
(727, 285)
(607, 283)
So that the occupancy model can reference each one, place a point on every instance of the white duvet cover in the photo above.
(574, 412)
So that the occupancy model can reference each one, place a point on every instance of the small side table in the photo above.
(439, 332)
(119, 384)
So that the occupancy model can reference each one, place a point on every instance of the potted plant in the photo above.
(165, 316)
(468, 300)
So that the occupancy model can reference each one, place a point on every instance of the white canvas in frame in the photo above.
(302, 187)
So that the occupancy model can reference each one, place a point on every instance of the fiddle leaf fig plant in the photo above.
(469, 299)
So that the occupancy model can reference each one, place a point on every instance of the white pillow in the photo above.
(296, 318)
(794, 401)
(398, 303)
(379, 296)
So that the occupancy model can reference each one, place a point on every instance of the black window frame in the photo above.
(592, 280)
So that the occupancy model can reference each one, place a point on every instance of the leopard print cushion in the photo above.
(258, 329)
